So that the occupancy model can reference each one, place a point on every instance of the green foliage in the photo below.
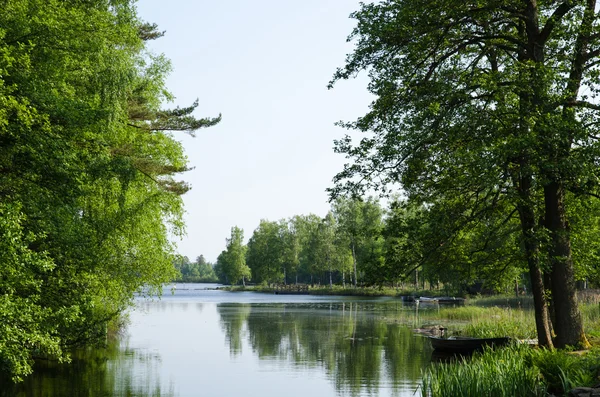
(24, 321)
(562, 371)
(199, 271)
(445, 244)
(360, 225)
(88, 165)
(485, 114)
(231, 264)
(501, 372)
(265, 255)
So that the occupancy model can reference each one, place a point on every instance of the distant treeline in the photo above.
(199, 271)
(359, 242)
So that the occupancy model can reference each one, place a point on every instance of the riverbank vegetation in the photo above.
(518, 370)
(88, 173)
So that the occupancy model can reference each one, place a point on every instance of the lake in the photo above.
(197, 341)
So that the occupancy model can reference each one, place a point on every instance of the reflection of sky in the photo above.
(185, 333)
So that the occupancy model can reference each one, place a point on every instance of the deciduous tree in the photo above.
(480, 100)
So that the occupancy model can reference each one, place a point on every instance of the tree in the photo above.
(488, 102)
(324, 252)
(206, 270)
(232, 261)
(307, 227)
(442, 244)
(360, 224)
(199, 271)
(87, 173)
(266, 253)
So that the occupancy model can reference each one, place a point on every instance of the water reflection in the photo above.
(112, 371)
(359, 352)
(213, 343)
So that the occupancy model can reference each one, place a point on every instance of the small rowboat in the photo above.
(440, 299)
(456, 344)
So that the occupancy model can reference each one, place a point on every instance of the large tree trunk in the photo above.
(528, 103)
(568, 323)
(528, 227)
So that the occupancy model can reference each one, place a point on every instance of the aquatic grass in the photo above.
(490, 321)
(516, 324)
(563, 370)
(502, 372)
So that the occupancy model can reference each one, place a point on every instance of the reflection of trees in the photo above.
(92, 372)
(233, 318)
(357, 350)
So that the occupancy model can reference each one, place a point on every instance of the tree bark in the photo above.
(568, 322)
(528, 227)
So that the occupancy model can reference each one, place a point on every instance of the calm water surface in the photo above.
(202, 342)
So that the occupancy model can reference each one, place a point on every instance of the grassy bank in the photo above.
(514, 371)
(519, 370)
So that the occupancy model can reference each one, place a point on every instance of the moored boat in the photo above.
(457, 344)
(440, 299)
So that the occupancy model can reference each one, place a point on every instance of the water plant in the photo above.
(518, 324)
(503, 373)
(563, 370)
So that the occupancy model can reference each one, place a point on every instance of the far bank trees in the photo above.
(231, 263)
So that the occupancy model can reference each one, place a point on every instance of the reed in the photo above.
(563, 370)
(516, 324)
(502, 373)
(485, 322)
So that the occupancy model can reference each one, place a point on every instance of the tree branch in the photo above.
(554, 19)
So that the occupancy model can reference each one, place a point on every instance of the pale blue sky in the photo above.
(265, 65)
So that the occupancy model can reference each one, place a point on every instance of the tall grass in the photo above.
(486, 322)
(501, 373)
(514, 323)
(517, 370)
(562, 370)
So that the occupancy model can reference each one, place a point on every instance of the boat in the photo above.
(460, 344)
(426, 299)
(440, 299)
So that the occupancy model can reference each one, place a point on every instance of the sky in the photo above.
(264, 65)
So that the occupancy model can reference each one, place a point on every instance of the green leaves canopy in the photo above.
(487, 102)
(86, 173)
